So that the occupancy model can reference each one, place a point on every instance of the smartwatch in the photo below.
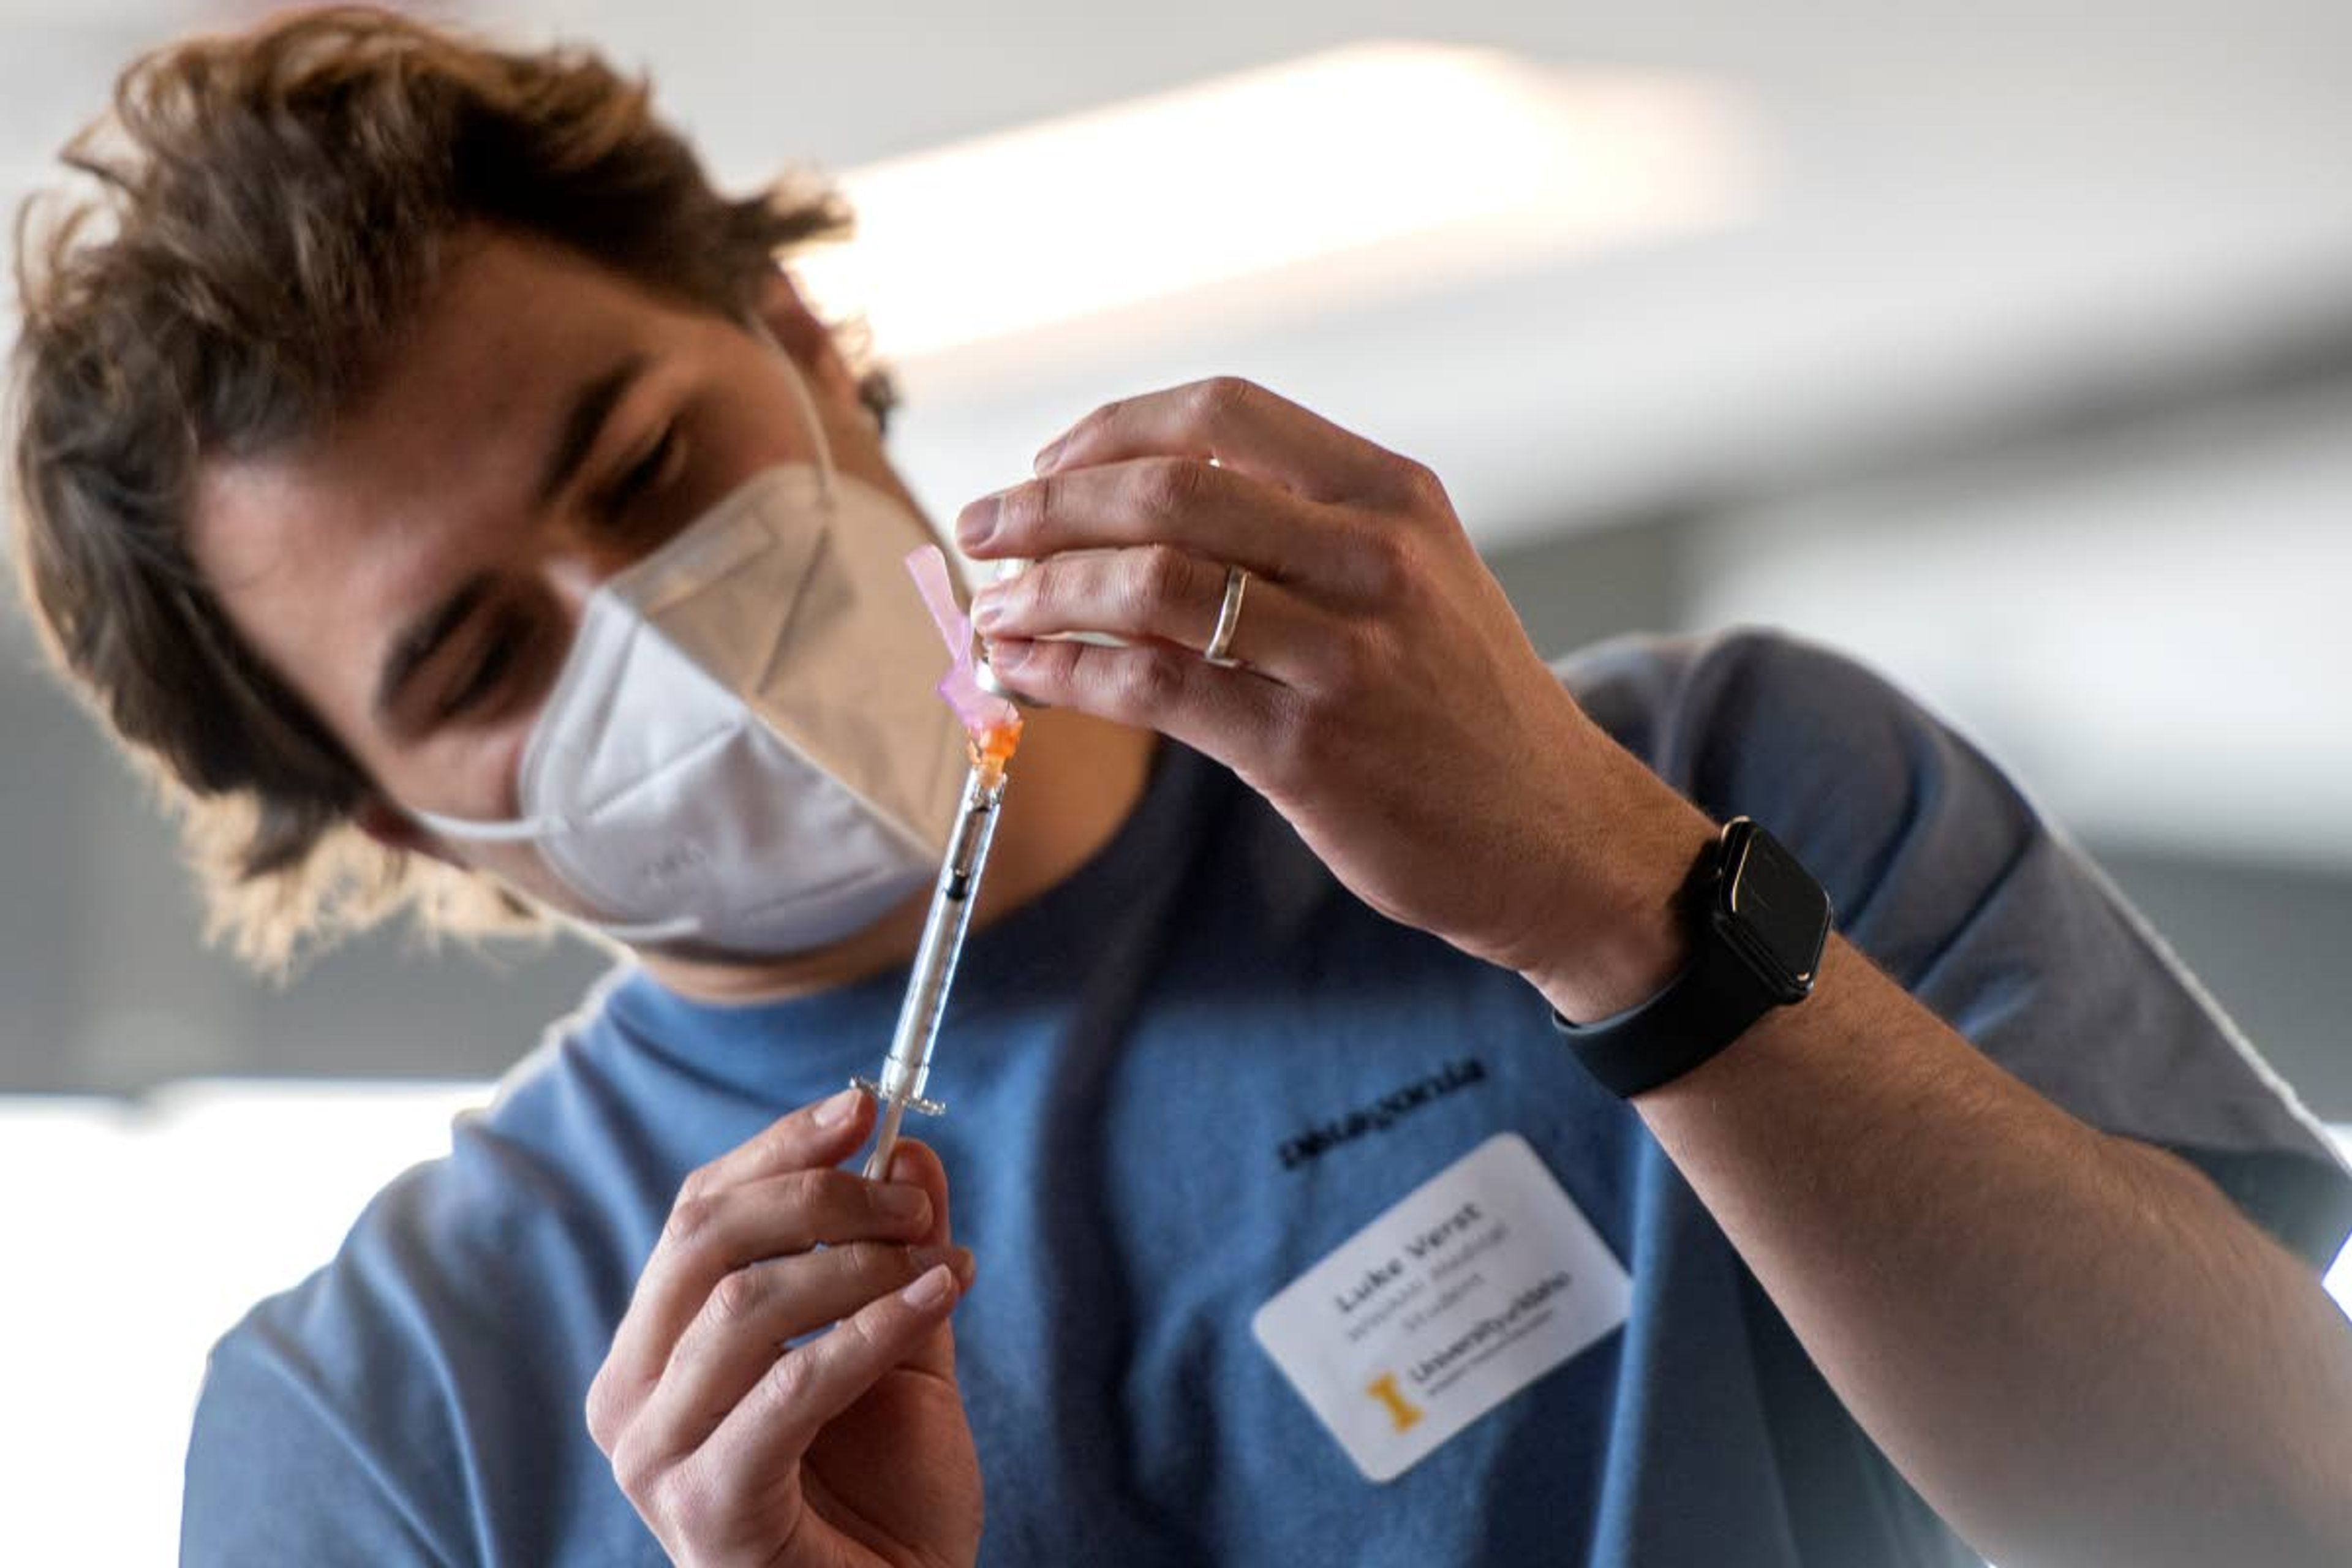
(1757, 921)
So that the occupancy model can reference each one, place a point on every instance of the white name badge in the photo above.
(1479, 1282)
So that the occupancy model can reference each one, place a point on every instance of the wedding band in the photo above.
(1229, 618)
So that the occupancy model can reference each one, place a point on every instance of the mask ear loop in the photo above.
(465, 829)
(651, 932)
(807, 401)
(525, 829)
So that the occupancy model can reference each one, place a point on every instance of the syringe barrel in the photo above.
(908, 1065)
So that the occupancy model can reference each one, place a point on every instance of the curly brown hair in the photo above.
(269, 210)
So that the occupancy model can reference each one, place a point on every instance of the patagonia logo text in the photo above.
(1382, 1113)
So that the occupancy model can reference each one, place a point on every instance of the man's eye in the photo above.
(489, 668)
(649, 471)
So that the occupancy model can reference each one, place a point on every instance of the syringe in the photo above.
(908, 1065)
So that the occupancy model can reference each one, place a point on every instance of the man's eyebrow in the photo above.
(591, 406)
(423, 636)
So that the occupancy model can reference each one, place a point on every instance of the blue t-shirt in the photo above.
(1175, 1083)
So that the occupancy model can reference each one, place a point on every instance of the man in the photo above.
(409, 475)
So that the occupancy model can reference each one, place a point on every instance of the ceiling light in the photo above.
(1372, 168)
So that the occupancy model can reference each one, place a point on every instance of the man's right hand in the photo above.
(848, 1450)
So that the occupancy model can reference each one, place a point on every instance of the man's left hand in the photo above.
(1385, 698)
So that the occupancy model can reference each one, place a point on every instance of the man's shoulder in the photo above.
(1854, 775)
(460, 1316)
(436, 1232)
(490, 1228)
(1739, 711)
(442, 1352)
(1678, 676)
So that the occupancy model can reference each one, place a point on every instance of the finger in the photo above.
(774, 1424)
(751, 1316)
(819, 1134)
(1243, 426)
(709, 1237)
(1230, 714)
(915, 1163)
(1156, 592)
(825, 1132)
(1210, 512)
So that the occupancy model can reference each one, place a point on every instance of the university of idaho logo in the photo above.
(1403, 1412)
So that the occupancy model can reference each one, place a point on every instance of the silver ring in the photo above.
(1229, 619)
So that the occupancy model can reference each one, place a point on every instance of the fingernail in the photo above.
(901, 1201)
(987, 609)
(935, 1287)
(1009, 655)
(832, 1112)
(1048, 453)
(977, 522)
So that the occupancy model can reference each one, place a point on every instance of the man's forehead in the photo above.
(508, 330)
(453, 419)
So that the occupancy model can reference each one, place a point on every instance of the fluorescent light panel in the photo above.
(1383, 166)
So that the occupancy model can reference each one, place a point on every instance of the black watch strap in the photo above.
(1701, 1010)
(1756, 921)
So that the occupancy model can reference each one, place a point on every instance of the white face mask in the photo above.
(743, 749)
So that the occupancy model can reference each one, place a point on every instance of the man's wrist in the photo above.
(1631, 935)
(1756, 921)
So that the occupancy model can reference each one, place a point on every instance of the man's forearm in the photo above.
(2071, 1344)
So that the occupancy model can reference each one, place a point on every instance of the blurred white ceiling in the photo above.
(1960, 201)
(1958, 209)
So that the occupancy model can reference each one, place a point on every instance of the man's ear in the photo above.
(809, 341)
(395, 830)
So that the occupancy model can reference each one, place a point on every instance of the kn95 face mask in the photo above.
(743, 750)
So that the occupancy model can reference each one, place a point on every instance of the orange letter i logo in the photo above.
(1402, 1411)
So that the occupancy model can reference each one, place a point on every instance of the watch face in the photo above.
(1776, 912)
